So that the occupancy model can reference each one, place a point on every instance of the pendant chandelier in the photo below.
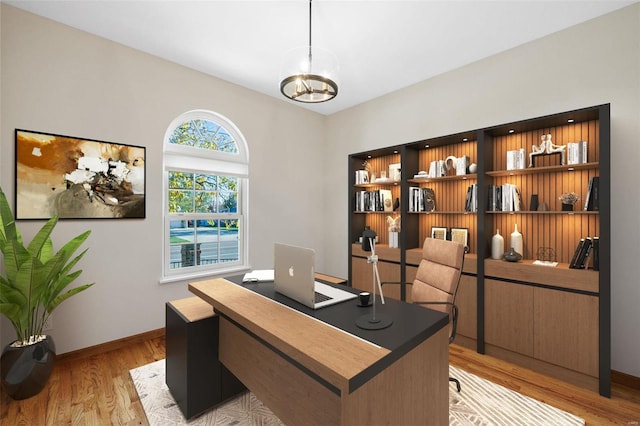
(309, 73)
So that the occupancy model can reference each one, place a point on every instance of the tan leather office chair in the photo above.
(437, 279)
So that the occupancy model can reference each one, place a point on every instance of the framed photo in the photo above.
(77, 178)
(460, 235)
(438, 232)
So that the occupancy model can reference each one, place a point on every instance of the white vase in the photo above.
(497, 245)
(516, 240)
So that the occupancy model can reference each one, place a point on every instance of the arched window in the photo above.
(206, 169)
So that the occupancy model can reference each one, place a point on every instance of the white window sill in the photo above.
(218, 273)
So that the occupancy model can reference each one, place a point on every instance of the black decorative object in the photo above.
(512, 256)
(368, 235)
(25, 370)
(567, 207)
(533, 204)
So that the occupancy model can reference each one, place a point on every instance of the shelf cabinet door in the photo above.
(467, 302)
(566, 329)
(509, 316)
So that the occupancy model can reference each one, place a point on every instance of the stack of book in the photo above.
(362, 177)
(577, 152)
(505, 198)
(591, 200)
(421, 199)
(378, 200)
(515, 159)
(471, 202)
(587, 248)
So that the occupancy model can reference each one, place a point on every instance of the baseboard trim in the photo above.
(109, 346)
(625, 379)
(617, 377)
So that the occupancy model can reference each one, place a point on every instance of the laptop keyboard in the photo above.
(319, 297)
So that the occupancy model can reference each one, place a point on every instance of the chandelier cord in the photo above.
(310, 55)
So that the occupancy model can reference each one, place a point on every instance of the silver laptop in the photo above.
(294, 277)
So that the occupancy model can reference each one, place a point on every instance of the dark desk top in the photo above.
(412, 324)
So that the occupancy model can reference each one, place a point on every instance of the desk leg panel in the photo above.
(414, 390)
(290, 393)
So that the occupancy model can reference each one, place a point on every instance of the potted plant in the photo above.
(568, 200)
(34, 282)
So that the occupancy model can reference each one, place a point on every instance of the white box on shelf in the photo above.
(393, 239)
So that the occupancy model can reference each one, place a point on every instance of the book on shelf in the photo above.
(516, 159)
(591, 202)
(421, 199)
(586, 248)
(577, 152)
(437, 169)
(596, 253)
(373, 201)
(386, 199)
(362, 177)
(471, 200)
(395, 172)
(506, 198)
(576, 254)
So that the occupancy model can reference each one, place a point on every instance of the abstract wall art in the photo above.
(77, 178)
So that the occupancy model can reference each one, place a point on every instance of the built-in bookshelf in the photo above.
(505, 308)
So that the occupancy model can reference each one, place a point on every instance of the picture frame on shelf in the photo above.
(460, 235)
(77, 178)
(439, 232)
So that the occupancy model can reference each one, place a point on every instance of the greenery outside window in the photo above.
(205, 190)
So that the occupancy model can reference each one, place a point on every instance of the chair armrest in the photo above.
(395, 282)
(454, 316)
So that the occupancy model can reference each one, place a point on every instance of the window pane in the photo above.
(204, 134)
(208, 237)
(180, 180)
(181, 201)
(229, 242)
(218, 241)
(206, 182)
(183, 251)
(205, 202)
(228, 202)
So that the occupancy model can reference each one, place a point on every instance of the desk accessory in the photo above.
(373, 321)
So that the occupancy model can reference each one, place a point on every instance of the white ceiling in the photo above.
(381, 46)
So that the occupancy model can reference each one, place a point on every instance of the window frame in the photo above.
(198, 160)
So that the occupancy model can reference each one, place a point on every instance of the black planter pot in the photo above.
(25, 370)
(567, 207)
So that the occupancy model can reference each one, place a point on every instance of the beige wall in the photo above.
(61, 80)
(590, 64)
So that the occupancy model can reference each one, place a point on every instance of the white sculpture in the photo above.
(547, 147)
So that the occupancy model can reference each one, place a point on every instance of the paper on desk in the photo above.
(258, 275)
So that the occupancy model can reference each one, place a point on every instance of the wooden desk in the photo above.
(307, 369)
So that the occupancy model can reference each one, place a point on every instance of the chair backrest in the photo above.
(438, 274)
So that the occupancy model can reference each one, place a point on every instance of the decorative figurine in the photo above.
(547, 147)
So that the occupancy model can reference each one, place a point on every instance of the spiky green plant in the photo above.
(35, 277)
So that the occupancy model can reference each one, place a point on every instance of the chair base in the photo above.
(456, 381)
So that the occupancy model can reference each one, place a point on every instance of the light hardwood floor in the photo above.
(93, 387)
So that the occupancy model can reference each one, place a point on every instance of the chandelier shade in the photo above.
(309, 73)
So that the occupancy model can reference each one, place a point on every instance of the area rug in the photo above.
(480, 403)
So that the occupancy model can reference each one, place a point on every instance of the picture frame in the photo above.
(77, 178)
(439, 232)
(460, 235)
